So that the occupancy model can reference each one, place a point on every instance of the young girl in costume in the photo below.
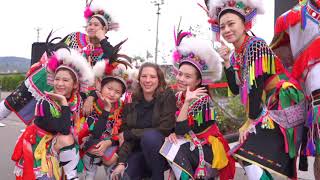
(49, 143)
(202, 150)
(94, 46)
(101, 142)
(270, 137)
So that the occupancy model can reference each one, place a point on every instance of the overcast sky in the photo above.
(137, 22)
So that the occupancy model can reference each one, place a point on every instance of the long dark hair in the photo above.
(138, 93)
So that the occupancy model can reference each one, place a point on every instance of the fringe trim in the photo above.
(36, 93)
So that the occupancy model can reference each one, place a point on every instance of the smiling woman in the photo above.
(146, 121)
(52, 134)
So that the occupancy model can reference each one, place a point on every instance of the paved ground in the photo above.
(11, 131)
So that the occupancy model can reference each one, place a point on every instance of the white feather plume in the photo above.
(204, 50)
(76, 60)
(99, 69)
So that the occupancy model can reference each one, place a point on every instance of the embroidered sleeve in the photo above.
(231, 79)
(261, 64)
(51, 119)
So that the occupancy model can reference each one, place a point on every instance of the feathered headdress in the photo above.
(59, 56)
(200, 54)
(116, 67)
(247, 8)
(93, 10)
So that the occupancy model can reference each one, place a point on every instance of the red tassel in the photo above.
(190, 120)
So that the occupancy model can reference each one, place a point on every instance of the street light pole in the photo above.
(158, 4)
(38, 33)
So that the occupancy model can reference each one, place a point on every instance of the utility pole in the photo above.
(157, 3)
(38, 33)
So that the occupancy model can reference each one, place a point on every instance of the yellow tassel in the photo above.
(220, 159)
(265, 63)
(250, 76)
(286, 85)
(41, 152)
(56, 168)
(270, 123)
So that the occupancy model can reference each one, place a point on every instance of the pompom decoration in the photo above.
(87, 13)
(176, 56)
(53, 63)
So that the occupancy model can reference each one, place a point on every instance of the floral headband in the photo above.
(199, 53)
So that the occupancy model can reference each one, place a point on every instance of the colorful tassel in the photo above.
(291, 143)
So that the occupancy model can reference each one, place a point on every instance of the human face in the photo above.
(112, 90)
(92, 27)
(149, 80)
(187, 76)
(232, 28)
(63, 83)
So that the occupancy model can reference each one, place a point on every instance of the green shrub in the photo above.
(11, 82)
(231, 117)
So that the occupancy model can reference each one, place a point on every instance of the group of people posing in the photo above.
(85, 105)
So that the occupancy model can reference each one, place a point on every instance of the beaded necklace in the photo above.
(240, 64)
(114, 115)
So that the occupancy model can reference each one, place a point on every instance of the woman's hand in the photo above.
(243, 134)
(191, 95)
(88, 106)
(121, 138)
(172, 138)
(106, 102)
(57, 97)
(101, 147)
(117, 172)
(224, 52)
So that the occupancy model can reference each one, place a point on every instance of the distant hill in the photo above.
(13, 64)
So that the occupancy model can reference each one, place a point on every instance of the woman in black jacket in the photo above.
(147, 120)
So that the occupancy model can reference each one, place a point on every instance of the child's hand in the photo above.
(106, 102)
(57, 97)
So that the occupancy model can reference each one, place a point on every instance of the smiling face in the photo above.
(93, 25)
(232, 28)
(64, 82)
(112, 90)
(149, 80)
(187, 76)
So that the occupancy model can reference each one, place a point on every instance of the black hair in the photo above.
(233, 12)
(111, 79)
(100, 20)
